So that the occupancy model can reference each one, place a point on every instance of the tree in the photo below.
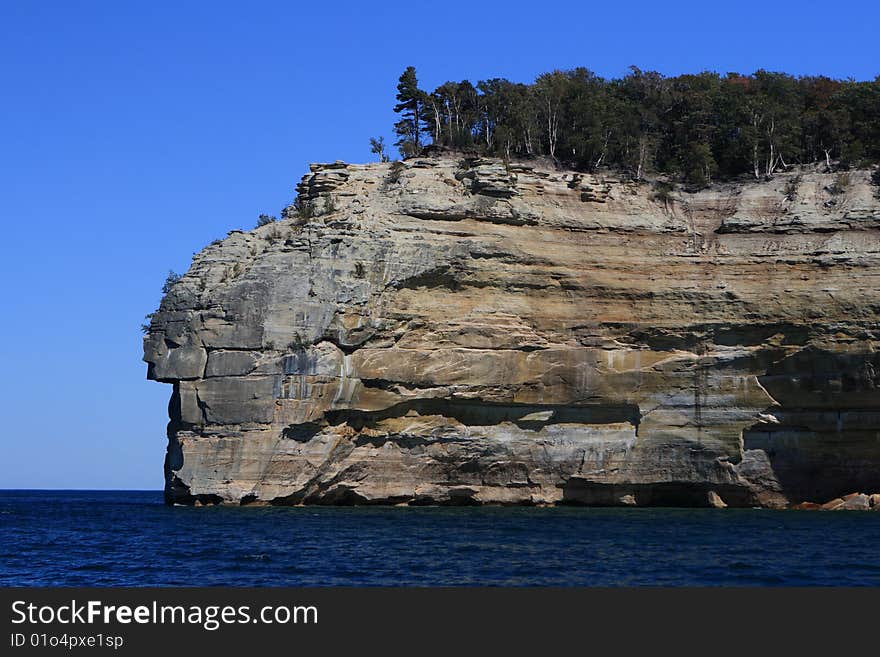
(588, 129)
(410, 106)
(377, 147)
(265, 219)
(170, 281)
(643, 104)
(550, 89)
(505, 125)
(692, 127)
(822, 123)
(860, 102)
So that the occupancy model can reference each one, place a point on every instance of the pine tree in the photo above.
(694, 128)
(410, 106)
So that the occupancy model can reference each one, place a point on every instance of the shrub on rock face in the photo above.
(791, 188)
(663, 191)
(840, 184)
(875, 179)
(265, 219)
(170, 280)
(303, 207)
(394, 172)
(148, 320)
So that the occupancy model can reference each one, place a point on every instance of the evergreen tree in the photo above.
(694, 128)
(859, 102)
(410, 106)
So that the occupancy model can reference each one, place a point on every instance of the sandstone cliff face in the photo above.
(458, 331)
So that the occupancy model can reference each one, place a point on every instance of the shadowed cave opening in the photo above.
(531, 417)
(688, 494)
(824, 437)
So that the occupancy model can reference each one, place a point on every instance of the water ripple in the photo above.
(69, 538)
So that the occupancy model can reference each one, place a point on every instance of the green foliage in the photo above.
(841, 182)
(297, 343)
(148, 320)
(410, 106)
(663, 191)
(791, 188)
(170, 280)
(394, 172)
(265, 219)
(694, 128)
(304, 207)
(698, 164)
(377, 147)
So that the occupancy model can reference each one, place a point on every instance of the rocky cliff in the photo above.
(461, 331)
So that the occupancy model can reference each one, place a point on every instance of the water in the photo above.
(129, 538)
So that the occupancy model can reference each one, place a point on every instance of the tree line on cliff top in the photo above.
(696, 128)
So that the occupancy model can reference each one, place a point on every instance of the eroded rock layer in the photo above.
(461, 331)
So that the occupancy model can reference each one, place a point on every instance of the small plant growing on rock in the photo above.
(841, 182)
(273, 235)
(297, 344)
(265, 219)
(148, 320)
(394, 172)
(359, 270)
(170, 281)
(791, 187)
(663, 192)
(304, 207)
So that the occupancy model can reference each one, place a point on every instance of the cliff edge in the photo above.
(453, 330)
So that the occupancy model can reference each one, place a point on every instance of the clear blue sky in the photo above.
(134, 133)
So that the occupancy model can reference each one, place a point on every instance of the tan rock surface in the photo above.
(465, 332)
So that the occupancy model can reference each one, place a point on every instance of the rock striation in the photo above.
(453, 330)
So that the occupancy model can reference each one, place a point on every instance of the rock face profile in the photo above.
(453, 330)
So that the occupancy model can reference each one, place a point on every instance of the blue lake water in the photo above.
(130, 538)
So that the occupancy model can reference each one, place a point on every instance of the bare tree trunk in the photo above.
(604, 149)
(772, 159)
(551, 129)
(756, 121)
(643, 157)
(417, 119)
(755, 160)
(437, 124)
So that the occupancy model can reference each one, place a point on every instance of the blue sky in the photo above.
(134, 133)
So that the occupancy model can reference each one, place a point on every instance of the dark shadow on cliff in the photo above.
(823, 440)
(478, 413)
(690, 494)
